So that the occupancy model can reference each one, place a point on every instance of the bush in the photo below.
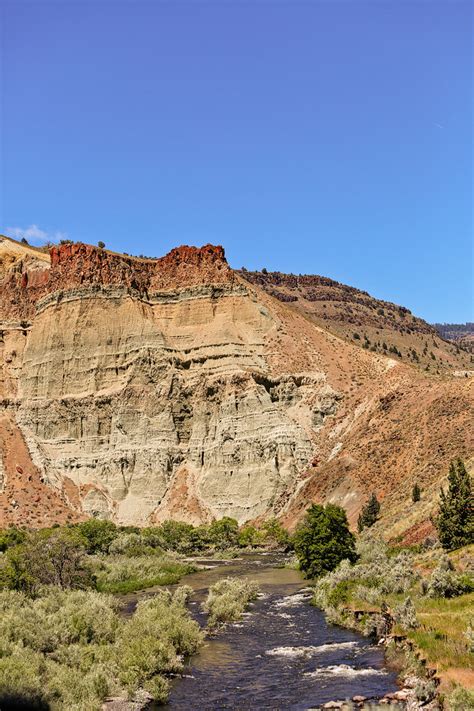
(375, 574)
(469, 635)
(154, 642)
(339, 594)
(323, 540)
(175, 535)
(460, 700)
(425, 690)
(68, 650)
(444, 582)
(405, 615)
(250, 537)
(228, 599)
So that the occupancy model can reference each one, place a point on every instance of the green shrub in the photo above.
(275, 533)
(444, 582)
(68, 650)
(228, 599)
(469, 635)
(133, 545)
(339, 594)
(460, 700)
(154, 642)
(405, 615)
(21, 684)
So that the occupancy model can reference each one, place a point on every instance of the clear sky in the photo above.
(317, 137)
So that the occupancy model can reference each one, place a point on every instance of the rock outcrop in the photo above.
(144, 389)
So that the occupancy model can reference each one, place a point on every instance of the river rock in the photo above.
(401, 695)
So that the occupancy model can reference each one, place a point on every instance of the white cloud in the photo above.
(34, 235)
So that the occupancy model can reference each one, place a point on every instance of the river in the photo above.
(282, 655)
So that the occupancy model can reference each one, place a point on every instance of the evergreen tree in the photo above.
(455, 520)
(369, 514)
(416, 493)
(323, 539)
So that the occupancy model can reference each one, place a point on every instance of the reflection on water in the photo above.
(282, 655)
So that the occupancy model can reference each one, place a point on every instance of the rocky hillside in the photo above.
(378, 326)
(145, 389)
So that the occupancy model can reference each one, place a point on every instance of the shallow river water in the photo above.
(281, 655)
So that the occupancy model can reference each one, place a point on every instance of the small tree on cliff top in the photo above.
(455, 520)
(323, 539)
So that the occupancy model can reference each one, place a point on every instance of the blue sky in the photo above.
(317, 137)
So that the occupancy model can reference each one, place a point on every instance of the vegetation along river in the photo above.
(281, 655)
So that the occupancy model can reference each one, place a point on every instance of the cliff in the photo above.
(144, 389)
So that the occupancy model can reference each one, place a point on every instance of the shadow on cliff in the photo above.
(22, 702)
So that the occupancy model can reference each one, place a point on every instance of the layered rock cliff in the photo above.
(141, 390)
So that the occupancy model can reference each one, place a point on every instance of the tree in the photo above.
(249, 536)
(275, 532)
(369, 514)
(416, 493)
(98, 534)
(101, 244)
(11, 537)
(224, 533)
(48, 557)
(455, 520)
(323, 539)
(175, 535)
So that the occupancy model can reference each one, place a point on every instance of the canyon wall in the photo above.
(140, 390)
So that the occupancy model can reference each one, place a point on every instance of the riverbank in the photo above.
(418, 604)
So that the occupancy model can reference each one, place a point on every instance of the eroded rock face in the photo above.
(124, 386)
(140, 390)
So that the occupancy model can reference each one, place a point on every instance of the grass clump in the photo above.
(228, 599)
